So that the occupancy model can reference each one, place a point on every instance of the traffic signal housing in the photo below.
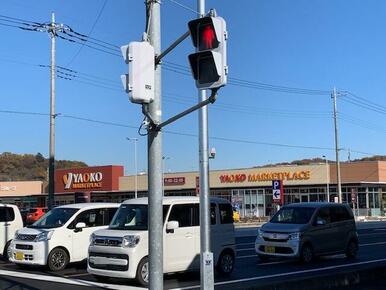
(139, 83)
(209, 63)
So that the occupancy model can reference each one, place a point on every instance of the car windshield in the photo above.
(130, 217)
(293, 215)
(133, 217)
(55, 218)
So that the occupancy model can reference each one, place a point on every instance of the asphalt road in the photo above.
(248, 270)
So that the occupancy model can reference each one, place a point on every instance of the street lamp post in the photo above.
(327, 179)
(164, 158)
(135, 140)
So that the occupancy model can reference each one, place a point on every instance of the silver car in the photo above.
(306, 230)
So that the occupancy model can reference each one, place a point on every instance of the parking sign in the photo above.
(277, 190)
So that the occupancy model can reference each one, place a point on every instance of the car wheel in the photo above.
(58, 259)
(226, 263)
(263, 258)
(142, 275)
(7, 251)
(306, 254)
(352, 249)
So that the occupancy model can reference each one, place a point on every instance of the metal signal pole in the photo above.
(155, 158)
(339, 186)
(135, 140)
(206, 256)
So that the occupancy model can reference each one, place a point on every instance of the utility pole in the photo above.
(135, 140)
(206, 256)
(327, 179)
(51, 161)
(155, 157)
(349, 155)
(339, 187)
(52, 28)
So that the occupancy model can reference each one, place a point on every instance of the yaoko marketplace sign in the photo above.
(88, 178)
(265, 176)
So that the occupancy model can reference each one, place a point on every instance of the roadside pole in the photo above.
(339, 187)
(51, 160)
(155, 158)
(206, 256)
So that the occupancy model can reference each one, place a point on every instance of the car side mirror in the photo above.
(171, 226)
(79, 227)
(320, 222)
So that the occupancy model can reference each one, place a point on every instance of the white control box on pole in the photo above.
(140, 82)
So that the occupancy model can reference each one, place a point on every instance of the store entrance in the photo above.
(304, 198)
(249, 202)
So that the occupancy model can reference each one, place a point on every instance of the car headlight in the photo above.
(44, 236)
(260, 233)
(294, 236)
(92, 239)
(130, 241)
(16, 235)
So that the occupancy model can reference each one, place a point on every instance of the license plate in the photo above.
(19, 256)
(269, 249)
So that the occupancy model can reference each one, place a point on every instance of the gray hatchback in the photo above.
(306, 230)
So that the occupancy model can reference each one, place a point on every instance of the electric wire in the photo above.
(225, 139)
(366, 100)
(90, 32)
(85, 40)
(371, 106)
(85, 44)
(20, 20)
(185, 7)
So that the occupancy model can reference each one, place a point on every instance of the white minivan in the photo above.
(10, 222)
(121, 251)
(61, 236)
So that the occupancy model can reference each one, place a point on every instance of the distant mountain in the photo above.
(27, 167)
(322, 160)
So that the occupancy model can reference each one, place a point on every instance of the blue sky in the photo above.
(304, 44)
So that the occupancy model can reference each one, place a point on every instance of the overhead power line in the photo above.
(90, 46)
(362, 103)
(183, 70)
(89, 33)
(73, 36)
(225, 139)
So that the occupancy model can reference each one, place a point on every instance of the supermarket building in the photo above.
(250, 189)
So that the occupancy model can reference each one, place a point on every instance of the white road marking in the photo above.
(287, 274)
(372, 234)
(76, 275)
(63, 280)
(275, 263)
(372, 244)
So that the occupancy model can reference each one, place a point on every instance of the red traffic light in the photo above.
(209, 63)
(207, 37)
(203, 33)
